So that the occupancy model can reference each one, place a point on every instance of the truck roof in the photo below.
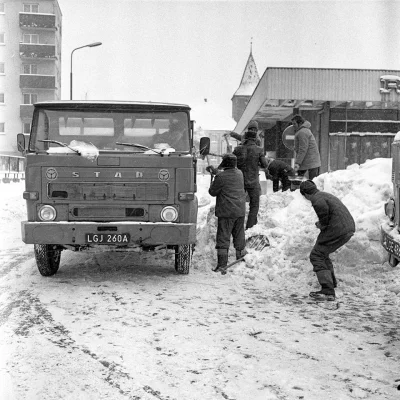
(138, 105)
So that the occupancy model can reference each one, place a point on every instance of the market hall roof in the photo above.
(282, 89)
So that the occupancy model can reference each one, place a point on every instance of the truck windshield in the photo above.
(155, 130)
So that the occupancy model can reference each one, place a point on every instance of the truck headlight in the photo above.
(390, 209)
(169, 214)
(47, 213)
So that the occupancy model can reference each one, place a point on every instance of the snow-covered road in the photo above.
(118, 326)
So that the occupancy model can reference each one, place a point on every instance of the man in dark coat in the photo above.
(249, 158)
(337, 227)
(278, 172)
(230, 209)
(306, 148)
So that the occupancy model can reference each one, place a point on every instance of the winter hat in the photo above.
(228, 161)
(308, 187)
(253, 124)
(250, 135)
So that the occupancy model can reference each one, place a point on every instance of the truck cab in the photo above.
(390, 229)
(104, 175)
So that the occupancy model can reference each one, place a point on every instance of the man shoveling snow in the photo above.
(337, 227)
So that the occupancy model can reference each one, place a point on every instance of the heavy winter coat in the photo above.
(228, 187)
(240, 137)
(335, 219)
(278, 168)
(249, 158)
(306, 148)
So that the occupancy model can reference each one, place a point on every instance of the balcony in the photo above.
(38, 51)
(37, 81)
(37, 21)
(26, 111)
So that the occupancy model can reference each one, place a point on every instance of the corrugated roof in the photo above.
(317, 84)
(323, 84)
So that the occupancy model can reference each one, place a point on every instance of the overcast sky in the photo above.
(189, 51)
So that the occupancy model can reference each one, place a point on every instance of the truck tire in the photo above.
(393, 261)
(47, 258)
(183, 258)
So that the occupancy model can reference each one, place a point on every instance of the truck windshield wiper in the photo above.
(140, 146)
(60, 144)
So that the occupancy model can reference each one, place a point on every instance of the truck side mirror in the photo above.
(21, 143)
(204, 146)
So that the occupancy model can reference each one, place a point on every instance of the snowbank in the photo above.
(288, 220)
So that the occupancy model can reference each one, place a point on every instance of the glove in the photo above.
(212, 170)
(296, 167)
(268, 175)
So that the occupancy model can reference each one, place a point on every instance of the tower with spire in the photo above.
(246, 88)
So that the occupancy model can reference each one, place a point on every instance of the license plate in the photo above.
(108, 238)
(390, 245)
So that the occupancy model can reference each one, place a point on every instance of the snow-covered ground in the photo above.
(112, 326)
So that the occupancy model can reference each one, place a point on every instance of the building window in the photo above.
(30, 98)
(30, 38)
(2, 127)
(31, 7)
(26, 127)
(30, 69)
(2, 70)
(1, 98)
(2, 8)
(2, 40)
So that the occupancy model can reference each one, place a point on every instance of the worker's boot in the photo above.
(327, 290)
(240, 254)
(222, 255)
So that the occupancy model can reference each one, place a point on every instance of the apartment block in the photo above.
(30, 64)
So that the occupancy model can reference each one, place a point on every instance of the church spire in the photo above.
(250, 76)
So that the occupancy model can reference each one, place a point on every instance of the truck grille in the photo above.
(108, 212)
(116, 191)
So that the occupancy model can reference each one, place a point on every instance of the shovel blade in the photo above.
(257, 242)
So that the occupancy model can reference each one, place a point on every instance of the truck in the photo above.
(109, 176)
(390, 229)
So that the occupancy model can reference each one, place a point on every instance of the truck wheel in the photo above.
(47, 258)
(393, 261)
(183, 257)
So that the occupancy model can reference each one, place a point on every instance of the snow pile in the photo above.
(288, 220)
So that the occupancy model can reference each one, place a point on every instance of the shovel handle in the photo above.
(223, 271)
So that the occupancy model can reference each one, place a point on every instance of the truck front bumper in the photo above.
(390, 239)
(75, 233)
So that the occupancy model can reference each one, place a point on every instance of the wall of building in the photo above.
(344, 136)
(14, 53)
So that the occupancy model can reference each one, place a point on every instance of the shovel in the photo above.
(295, 181)
(257, 242)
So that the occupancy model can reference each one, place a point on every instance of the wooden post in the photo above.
(324, 138)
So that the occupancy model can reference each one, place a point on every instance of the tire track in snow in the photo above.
(32, 315)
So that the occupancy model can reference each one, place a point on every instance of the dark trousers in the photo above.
(284, 180)
(322, 264)
(228, 227)
(312, 173)
(254, 196)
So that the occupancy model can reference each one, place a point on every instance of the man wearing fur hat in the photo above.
(250, 158)
(337, 227)
(230, 209)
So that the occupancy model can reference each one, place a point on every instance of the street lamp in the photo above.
(86, 45)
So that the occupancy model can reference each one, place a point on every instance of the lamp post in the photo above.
(81, 47)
